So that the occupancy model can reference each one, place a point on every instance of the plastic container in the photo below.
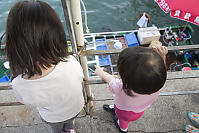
(4, 79)
(104, 60)
(131, 40)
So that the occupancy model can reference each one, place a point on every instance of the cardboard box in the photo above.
(146, 35)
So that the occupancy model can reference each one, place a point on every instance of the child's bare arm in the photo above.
(103, 75)
(162, 51)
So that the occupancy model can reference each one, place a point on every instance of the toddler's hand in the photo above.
(102, 74)
(161, 50)
(98, 70)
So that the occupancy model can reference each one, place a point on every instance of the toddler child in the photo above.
(142, 75)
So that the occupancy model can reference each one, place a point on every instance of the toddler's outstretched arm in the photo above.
(162, 51)
(103, 75)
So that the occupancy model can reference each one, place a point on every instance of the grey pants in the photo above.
(60, 126)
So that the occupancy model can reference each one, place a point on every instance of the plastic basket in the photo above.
(104, 60)
(4, 79)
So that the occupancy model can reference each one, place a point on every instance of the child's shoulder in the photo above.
(116, 80)
(17, 81)
(116, 83)
(71, 58)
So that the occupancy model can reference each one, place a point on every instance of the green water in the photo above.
(110, 15)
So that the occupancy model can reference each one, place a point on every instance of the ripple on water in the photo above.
(115, 15)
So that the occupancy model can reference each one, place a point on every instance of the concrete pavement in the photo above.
(167, 114)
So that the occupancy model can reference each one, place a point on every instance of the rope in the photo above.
(2, 38)
(86, 26)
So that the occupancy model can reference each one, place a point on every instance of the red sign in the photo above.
(164, 5)
(182, 9)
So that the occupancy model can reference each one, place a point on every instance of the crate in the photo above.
(131, 40)
(104, 60)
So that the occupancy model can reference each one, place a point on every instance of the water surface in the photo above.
(109, 15)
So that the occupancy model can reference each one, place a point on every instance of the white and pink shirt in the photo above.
(136, 103)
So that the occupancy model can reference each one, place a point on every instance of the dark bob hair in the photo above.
(141, 70)
(35, 38)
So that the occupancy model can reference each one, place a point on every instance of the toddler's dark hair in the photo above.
(141, 70)
(34, 37)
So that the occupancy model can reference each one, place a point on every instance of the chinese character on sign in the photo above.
(187, 16)
(177, 13)
(162, 2)
(197, 19)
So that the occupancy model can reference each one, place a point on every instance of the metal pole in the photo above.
(68, 19)
(89, 103)
(11, 104)
(77, 21)
(72, 11)
(117, 51)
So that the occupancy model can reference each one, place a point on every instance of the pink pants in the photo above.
(126, 116)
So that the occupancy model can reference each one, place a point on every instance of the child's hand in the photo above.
(102, 74)
(98, 70)
(161, 50)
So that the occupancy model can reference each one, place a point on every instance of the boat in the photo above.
(169, 36)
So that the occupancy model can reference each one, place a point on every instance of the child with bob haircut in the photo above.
(143, 74)
(46, 75)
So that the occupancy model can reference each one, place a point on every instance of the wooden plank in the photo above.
(100, 52)
(170, 76)
(116, 51)
(178, 93)
(5, 86)
(11, 104)
(182, 74)
(184, 47)
(114, 33)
